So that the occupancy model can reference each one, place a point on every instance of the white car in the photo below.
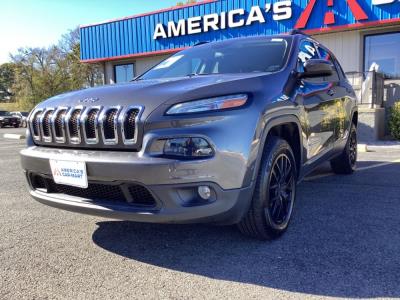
(23, 116)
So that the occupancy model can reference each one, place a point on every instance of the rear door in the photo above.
(319, 96)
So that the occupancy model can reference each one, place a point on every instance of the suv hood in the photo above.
(152, 93)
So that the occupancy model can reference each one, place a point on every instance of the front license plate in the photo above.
(71, 173)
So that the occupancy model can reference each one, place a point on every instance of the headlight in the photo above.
(1, 119)
(217, 103)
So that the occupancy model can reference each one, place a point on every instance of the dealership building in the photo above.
(363, 34)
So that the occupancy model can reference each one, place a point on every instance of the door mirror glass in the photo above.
(316, 68)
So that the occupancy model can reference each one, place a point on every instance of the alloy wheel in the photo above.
(281, 191)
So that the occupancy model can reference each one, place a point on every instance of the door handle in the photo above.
(331, 92)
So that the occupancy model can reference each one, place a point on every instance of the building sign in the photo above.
(278, 11)
(168, 30)
(235, 18)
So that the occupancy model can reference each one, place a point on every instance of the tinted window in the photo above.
(124, 73)
(246, 56)
(307, 51)
(4, 113)
(327, 56)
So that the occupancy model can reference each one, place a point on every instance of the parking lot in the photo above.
(344, 241)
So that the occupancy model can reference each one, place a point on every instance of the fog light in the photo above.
(204, 192)
(190, 147)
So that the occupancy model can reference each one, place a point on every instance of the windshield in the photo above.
(4, 113)
(229, 57)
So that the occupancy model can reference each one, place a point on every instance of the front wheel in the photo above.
(272, 204)
(345, 163)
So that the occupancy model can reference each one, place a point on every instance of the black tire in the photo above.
(16, 126)
(272, 192)
(345, 163)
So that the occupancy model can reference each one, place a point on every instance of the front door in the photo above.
(319, 102)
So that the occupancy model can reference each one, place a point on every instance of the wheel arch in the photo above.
(283, 126)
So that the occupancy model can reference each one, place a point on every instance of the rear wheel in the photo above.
(346, 162)
(274, 195)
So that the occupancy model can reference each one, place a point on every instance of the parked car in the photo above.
(23, 116)
(7, 119)
(219, 133)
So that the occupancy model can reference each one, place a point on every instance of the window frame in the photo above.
(124, 64)
(365, 36)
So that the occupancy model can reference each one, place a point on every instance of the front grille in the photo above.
(97, 192)
(114, 127)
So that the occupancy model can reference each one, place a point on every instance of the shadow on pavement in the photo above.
(344, 241)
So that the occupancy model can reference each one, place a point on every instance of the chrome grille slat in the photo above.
(35, 125)
(58, 124)
(109, 125)
(45, 121)
(128, 119)
(114, 126)
(89, 121)
(72, 123)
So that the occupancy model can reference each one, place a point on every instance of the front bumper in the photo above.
(172, 183)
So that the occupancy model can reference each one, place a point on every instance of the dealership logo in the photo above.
(280, 11)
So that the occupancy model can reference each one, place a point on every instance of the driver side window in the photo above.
(308, 51)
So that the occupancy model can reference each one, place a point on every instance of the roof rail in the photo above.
(296, 31)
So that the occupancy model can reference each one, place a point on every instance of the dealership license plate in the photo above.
(71, 173)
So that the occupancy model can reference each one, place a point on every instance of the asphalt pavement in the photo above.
(343, 242)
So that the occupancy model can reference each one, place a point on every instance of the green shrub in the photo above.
(394, 121)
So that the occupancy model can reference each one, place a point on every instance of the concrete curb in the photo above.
(376, 148)
(362, 148)
(13, 136)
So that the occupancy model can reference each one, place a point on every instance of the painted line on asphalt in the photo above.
(358, 169)
(13, 136)
(15, 146)
(379, 165)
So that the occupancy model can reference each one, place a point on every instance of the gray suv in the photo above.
(219, 133)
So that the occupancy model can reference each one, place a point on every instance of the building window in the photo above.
(382, 53)
(124, 73)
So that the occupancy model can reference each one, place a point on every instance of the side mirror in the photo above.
(317, 68)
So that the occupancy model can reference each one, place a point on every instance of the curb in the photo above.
(362, 148)
(376, 148)
(12, 136)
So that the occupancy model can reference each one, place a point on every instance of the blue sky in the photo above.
(40, 23)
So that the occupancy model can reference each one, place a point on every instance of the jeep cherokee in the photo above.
(221, 132)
